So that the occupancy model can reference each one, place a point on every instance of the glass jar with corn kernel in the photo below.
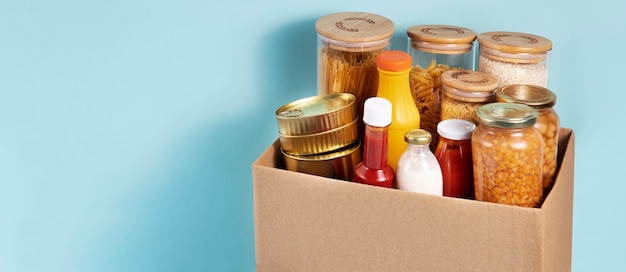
(507, 154)
(548, 122)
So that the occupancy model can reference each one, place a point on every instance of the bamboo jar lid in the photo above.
(469, 86)
(441, 38)
(514, 46)
(355, 31)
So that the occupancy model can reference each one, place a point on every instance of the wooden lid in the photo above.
(441, 39)
(468, 85)
(441, 34)
(514, 42)
(355, 29)
(514, 47)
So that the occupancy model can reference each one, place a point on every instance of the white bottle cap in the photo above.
(377, 112)
(456, 129)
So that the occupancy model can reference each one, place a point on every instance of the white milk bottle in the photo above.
(418, 169)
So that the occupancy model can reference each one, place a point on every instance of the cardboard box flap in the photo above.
(558, 208)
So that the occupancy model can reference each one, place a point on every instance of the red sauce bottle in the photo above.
(374, 170)
(454, 153)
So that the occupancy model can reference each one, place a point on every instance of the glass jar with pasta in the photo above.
(435, 49)
(506, 154)
(464, 92)
(548, 122)
(348, 43)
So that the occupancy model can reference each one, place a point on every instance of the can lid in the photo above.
(316, 105)
(468, 85)
(355, 29)
(535, 96)
(507, 115)
(456, 129)
(316, 114)
(393, 60)
(377, 112)
(446, 38)
(418, 137)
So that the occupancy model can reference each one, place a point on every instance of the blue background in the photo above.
(128, 128)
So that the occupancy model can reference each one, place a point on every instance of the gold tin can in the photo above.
(316, 114)
(338, 164)
(322, 142)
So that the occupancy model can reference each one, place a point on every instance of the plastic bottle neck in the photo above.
(394, 86)
(375, 147)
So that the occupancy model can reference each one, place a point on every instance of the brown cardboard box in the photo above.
(310, 223)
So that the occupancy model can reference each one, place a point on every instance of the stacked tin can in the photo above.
(319, 135)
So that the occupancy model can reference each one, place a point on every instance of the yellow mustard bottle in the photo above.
(394, 85)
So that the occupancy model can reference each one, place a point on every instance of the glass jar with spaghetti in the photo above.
(464, 92)
(506, 153)
(515, 58)
(548, 122)
(435, 49)
(348, 43)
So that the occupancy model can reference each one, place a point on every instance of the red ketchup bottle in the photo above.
(454, 153)
(374, 170)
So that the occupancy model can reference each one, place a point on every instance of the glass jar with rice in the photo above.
(515, 58)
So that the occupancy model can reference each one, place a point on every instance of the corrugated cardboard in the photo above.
(310, 223)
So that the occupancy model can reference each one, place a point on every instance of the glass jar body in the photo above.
(454, 108)
(459, 59)
(428, 65)
(512, 68)
(507, 165)
(455, 160)
(348, 68)
(548, 125)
